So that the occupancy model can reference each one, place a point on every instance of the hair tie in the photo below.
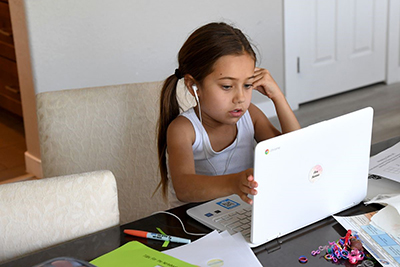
(178, 74)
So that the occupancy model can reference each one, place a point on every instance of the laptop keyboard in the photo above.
(237, 221)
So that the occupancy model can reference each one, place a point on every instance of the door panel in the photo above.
(325, 39)
(332, 46)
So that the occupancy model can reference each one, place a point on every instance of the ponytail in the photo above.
(169, 110)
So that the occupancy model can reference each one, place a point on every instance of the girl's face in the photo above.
(225, 94)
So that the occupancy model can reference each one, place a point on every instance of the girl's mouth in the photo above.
(236, 112)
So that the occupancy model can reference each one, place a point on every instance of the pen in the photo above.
(157, 236)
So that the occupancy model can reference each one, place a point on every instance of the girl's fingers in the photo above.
(258, 71)
(261, 77)
(246, 199)
(257, 82)
(250, 182)
(248, 190)
(258, 76)
(250, 178)
(248, 187)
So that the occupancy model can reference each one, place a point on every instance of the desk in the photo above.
(283, 253)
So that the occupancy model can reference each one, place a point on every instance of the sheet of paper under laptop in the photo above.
(217, 249)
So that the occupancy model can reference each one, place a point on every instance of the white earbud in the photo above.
(194, 87)
(195, 92)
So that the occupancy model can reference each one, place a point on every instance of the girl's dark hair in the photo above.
(197, 58)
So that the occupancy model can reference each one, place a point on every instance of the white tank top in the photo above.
(235, 158)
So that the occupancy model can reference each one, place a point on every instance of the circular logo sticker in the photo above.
(315, 173)
(215, 263)
(266, 152)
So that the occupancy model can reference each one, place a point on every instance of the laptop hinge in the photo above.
(273, 245)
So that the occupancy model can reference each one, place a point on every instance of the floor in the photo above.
(385, 99)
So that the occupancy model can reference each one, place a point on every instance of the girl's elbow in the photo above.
(182, 196)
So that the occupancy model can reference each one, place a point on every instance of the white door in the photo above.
(332, 46)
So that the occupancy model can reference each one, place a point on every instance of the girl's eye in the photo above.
(248, 86)
(226, 87)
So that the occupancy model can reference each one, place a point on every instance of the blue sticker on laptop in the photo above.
(228, 203)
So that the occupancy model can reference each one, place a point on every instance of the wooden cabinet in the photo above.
(10, 97)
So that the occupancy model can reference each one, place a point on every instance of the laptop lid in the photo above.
(310, 174)
(304, 176)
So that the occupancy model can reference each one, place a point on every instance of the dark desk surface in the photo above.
(283, 253)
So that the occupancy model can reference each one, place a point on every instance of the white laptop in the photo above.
(303, 177)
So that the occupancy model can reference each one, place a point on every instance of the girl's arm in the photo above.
(265, 84)
(190, 187)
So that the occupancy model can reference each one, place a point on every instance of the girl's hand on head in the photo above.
(265, 84)
(247, 185)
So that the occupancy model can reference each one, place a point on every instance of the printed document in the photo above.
(387, 163)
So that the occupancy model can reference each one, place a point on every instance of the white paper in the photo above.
(381, 186)
(216, 249)
(387, 163)
(388, 218)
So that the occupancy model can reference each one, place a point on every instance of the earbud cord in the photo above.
(228, 160)
(179, 219)
(198, 102)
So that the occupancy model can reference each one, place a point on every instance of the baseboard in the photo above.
(33, 165)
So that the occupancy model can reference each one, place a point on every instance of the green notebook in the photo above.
(135, 253)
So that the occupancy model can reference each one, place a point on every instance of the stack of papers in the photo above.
(217, 249)
(387, 163)
(386, 166)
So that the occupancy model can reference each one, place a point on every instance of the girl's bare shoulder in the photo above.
(181, 129)
(256, 113)
(263, 128)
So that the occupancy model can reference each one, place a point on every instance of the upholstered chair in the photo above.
(37, 214)
(110, 127)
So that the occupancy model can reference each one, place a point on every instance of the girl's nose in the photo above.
(239, 96)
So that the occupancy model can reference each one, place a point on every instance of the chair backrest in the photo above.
(112, 128)
(40, 213)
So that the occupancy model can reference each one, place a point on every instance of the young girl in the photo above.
(210, 147)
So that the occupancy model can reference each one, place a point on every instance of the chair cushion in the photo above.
(112, 128)
(40, 213)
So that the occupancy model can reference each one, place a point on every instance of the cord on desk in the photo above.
(179, 219)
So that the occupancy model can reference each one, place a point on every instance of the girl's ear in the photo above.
(190, 83)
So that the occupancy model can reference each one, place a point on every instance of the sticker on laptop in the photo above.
(228, 203)
(315, 173)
